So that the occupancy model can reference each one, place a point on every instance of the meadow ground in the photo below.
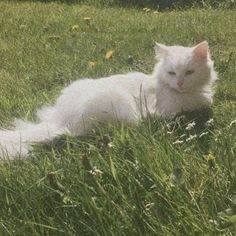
(157, 179)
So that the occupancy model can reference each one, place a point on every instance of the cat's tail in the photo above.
(17, 142)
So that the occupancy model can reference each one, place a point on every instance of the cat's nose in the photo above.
(180, 83)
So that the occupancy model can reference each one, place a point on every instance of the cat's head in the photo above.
(184, 68)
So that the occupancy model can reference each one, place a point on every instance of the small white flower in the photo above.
(92, 172)
(190, 125)
(214, 222)
(135, 164)
(169, 132)
(187, 149)
(203, 134)
(183, 117)
(209, 122)
(95, 171)
(183, 135)
(149, 206)
(191, 137)
(232, 122)
(177, 142)
(110, 145)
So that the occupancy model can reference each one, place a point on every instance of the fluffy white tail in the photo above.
(14, 143)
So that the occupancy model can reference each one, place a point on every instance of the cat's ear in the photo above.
(200, 51)
(161, 50)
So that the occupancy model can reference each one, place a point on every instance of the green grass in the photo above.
(157, 4)
(148, 185)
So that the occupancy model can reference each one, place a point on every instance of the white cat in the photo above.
(182, 80)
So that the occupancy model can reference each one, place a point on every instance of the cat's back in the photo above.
(119, 81)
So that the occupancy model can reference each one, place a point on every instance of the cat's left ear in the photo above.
(161, 50)
(201, 51)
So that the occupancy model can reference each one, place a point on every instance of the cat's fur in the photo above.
(182, 80)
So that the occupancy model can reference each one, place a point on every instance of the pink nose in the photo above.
(180, 83)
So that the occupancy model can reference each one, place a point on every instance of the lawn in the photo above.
(160, 178)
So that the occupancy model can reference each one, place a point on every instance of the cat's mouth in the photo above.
(184, 90)
(179, 90)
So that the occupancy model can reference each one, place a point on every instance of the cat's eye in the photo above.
(171, 73)
(189, 72)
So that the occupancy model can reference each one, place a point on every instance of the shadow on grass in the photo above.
(102, 136)
(161, 5)
(203, 125)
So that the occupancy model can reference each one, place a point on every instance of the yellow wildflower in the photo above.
(109, 55)
(91, 64)
(75, 27)
(87, 18)
(209, 157)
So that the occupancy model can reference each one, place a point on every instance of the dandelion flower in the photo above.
(209, 157)
(91, 64)
(109, 55)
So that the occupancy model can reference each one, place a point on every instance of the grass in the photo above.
(148, 185)
(157, 4)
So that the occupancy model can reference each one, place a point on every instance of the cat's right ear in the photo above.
(160, 50)
(201, 51)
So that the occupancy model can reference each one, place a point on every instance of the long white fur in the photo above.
(126, 98)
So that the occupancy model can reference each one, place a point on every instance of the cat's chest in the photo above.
(170, 103)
